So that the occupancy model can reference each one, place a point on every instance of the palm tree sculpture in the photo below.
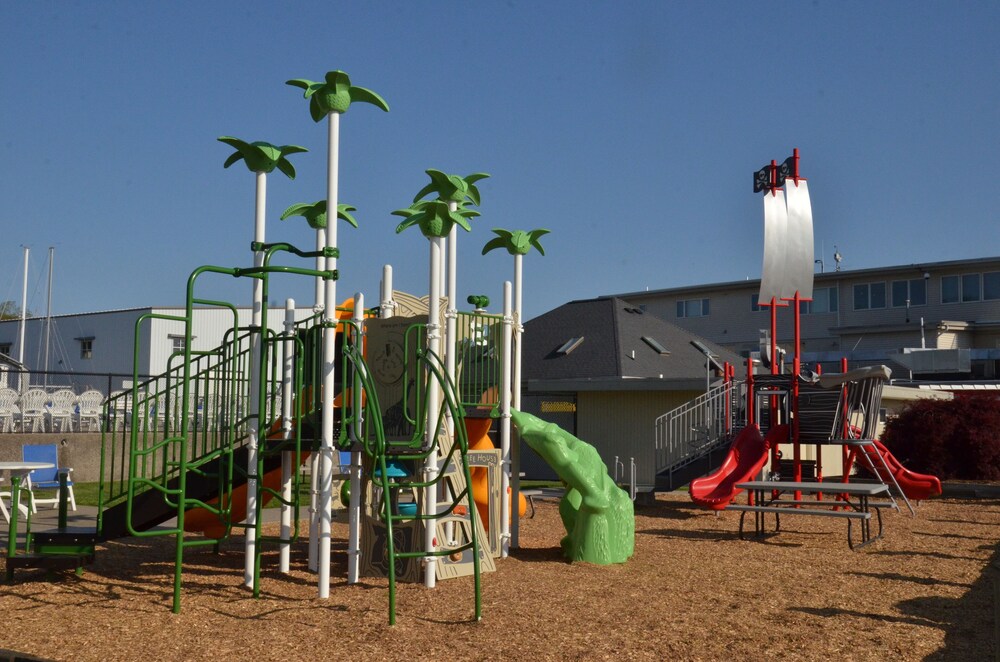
(260, 158)
(315, 213)
(332, 97)
(518, 243)
(436, 220)
(456, 191)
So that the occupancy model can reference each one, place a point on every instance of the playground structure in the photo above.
(225, 431)
(794, 408)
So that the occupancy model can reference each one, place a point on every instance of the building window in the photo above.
(177, 343)
(5, 348)
(911, 292)
(970, 287)
(991, 286)
(755, 306)
(950, 289)
(825, 300)
(868, 296)
(86, 348)
(692, 308)
(967, 287)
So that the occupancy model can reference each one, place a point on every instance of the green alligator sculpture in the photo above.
(597, 514)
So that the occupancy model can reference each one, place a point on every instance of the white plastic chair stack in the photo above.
(61, 410)
(89, 411)
(10, 414)
(33, 411)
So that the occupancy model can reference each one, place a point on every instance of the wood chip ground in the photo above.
(693, 591)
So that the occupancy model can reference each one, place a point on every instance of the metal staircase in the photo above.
(692, 439)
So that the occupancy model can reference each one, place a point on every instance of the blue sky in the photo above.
(629, 129)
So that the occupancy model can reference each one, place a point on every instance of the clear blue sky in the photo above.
(629, 129)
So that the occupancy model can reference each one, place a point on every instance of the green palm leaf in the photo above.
(518, 242)
(315, 213)
(335, 94)
(261, 156)
(452, 188)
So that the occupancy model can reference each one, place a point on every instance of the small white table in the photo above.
(17, 471)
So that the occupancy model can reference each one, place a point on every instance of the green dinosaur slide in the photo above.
(597, 514)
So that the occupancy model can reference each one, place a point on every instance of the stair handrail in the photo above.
(687, 432)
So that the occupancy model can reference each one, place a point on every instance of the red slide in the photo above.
(745, 458)
(915, 486)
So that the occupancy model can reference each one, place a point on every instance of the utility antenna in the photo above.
(837, 257)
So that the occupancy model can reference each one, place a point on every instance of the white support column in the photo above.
(329, 356)
(256, 319)
(354, 510)
(387, 306)
(505, 431)
(515, 359)
(433, 409)
(288, 463)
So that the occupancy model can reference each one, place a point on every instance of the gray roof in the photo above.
(613, 354)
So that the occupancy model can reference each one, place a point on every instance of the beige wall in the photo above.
(621, 423)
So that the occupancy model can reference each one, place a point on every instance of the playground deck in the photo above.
(692, 591)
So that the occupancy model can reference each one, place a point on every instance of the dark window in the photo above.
(970, 287)
(991, 285)
(950, 289)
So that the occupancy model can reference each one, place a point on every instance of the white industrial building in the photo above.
(96, 350)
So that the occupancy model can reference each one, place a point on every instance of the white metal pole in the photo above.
(451, 319)
(514, 468)
(451, 323)
(354, 511)
(505, 430)
(386, 303)
(433, 410)
(321, 261)
(23, 380)
(288, 464)
(254, 413)
(48, 315)
(329, 356)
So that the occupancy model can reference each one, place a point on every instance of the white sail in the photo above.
(775, 241)
(799, 256)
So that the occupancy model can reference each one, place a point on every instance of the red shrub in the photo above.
(951, 439)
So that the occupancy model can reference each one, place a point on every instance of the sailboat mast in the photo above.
(24, 311)
(48, 315)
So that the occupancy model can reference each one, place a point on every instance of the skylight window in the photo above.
(570, 345)
(657, 347)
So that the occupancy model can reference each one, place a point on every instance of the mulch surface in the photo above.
(693, 591)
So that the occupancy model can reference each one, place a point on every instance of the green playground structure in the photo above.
(197, 452)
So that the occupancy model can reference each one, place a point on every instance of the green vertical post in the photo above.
(63, 498)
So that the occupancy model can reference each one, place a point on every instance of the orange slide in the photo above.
(745, 458)
(478, 431)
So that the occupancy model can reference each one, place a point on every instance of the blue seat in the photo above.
(45, 479)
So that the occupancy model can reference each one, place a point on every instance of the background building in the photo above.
(950, 310)
(604, 370)
(96, 350)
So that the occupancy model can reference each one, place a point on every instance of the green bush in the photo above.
(950, 439)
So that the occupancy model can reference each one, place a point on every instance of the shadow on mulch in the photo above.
(539, 555)
(949, 535)
(962, 640)
(923, 581)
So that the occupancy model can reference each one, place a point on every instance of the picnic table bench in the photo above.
(852, 502)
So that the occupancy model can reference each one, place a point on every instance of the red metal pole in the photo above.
(845, 427)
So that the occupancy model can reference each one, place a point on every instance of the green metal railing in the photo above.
(189, 421)
(479, 352)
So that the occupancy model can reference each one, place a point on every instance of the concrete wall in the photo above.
(79, 451)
